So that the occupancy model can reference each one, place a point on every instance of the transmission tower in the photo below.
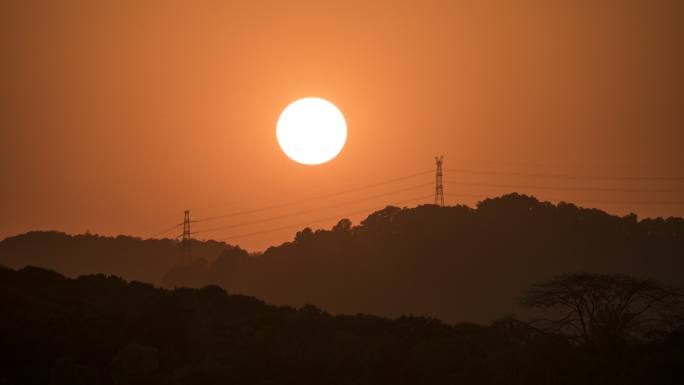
(439, 186)
(185, 242)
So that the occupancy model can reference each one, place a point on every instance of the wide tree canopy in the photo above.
(600, 309)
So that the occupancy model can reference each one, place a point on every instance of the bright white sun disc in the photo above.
(311, 131)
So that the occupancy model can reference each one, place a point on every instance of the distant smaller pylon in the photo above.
(439, 186)
(185, 242)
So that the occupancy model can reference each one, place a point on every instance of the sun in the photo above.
(311, 131)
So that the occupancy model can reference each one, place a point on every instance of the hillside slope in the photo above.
(73, 255)
(455, 263)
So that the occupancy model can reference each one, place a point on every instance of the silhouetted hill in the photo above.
(456, 263)
(103, 330)
(73, 255)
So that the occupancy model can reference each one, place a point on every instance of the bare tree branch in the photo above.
(596, 308)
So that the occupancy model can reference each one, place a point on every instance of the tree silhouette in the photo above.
(601, 309)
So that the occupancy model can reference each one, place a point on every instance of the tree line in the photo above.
(455, 263)
(100, 329)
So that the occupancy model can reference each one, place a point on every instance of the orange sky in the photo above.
(117, 115)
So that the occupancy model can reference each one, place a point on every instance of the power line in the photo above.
(621, 202)
(602, 201)
(458, 170)
(567, 188)
(465, 195)
(298, 202)
(166, 230)
(312, 210)
(567, 176)
(244, 235)
(319, 197)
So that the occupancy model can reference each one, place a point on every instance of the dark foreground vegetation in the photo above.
(455, 263)
(103, 330)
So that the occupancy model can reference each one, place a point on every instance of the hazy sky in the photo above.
(117, 115)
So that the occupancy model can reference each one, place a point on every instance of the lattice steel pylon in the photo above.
(185, 242)
(439, 186)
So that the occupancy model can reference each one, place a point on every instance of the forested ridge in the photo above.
(101, 329)
(455, 263)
